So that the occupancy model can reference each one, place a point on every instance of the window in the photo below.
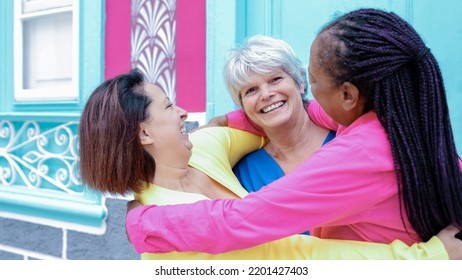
(46, 50)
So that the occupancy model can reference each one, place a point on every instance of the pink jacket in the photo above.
(346, 190)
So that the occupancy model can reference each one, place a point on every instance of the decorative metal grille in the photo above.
(153, 42)
(40, 156)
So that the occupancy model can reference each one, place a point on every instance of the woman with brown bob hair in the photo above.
(108, 133)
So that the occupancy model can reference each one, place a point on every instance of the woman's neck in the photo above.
(170, 177)
(290, 145)
(189, 179)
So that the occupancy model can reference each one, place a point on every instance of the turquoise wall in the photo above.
(297, 22)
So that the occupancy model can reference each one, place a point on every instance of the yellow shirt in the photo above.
(215, 151)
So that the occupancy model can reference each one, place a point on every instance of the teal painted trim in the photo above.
(259, 17)
(401, 8)
(92, 18)
(277, 15)
(221, 34)
(40, 116)
(6, 55)
(410, 11)
(241, 20)
(57, 207)
(56, 106)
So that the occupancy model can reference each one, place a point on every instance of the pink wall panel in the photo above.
(190, 55)
(117, 38)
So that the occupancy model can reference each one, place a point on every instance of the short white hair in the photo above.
(261, 55)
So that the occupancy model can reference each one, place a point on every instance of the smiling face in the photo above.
(271, 100)
(164, 131)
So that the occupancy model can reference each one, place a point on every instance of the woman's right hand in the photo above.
(452, 243)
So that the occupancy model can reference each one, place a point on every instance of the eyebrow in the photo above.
(166, 100)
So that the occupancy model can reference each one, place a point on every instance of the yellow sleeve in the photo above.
(310, 247)
(304, 247)
(217, 149)
(224, 143)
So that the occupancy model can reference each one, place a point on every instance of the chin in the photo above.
(189, 146)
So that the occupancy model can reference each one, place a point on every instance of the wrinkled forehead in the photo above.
(247, 78)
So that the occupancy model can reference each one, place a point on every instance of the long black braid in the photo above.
(400, 79)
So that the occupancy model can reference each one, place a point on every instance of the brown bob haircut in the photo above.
(112, 159)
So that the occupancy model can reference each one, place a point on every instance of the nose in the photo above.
(265, 93)
(182, 112)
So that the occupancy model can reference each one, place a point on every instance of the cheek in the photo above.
(315, 92)
(323, 100)
(294, 90)
(247, 105)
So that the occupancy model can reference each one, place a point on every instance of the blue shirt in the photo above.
(258, 169)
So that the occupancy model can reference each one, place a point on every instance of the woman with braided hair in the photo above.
(392, 172)
(398, 78)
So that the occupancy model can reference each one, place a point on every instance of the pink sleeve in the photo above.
(320, 117)
(285, 207)
(238, 120)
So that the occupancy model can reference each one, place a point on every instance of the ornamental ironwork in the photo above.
(40, 156)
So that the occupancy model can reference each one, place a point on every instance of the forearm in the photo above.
(310, 247)
(238, 120)
(160, 229)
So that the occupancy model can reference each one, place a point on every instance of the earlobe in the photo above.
(144, 136)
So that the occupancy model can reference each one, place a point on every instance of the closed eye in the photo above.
(167, 103)
(276, 79)
(251, 91)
